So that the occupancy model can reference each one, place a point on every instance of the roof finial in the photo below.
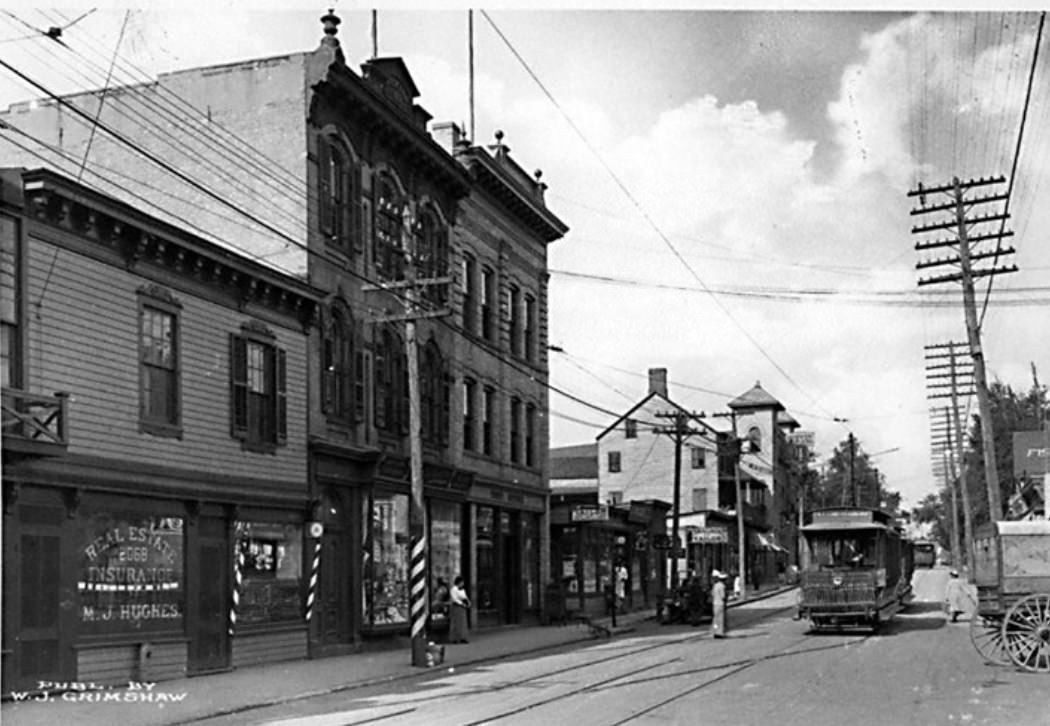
(331, 28)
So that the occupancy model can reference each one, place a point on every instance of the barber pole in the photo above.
(315, 568)
(418, 587)
(238, 569)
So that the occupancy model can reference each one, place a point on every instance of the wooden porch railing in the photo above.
(33, 421)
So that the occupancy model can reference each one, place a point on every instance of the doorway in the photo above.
(210, 558)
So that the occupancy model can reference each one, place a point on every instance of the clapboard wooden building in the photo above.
(154, 444)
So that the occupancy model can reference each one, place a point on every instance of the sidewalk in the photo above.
(191, 699)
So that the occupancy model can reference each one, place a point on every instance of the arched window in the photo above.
(338, 390)
(434, 393)
(754, 437)
(391, 384)
(338, 190)
(432, 254)
(387, 248)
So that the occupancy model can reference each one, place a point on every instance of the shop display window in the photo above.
(271, 562)
(446, 553)
(386, 553)
(132, 576)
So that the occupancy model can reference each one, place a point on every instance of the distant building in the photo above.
(637, 462)
(589, 538)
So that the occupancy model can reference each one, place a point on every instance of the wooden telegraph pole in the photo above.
(409, 289)
(969, 232)
(942, 358)
(679, 431)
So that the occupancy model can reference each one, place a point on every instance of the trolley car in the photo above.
(925, 553)
(856, 569)
(1012, 574)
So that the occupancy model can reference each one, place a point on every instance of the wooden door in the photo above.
(42, 600)
(335, 611)
(210, 645)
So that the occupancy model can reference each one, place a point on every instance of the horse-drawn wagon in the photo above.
(1012, 574)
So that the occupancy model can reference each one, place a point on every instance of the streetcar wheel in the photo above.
(986, 634)
(1026, 633)
(875, 624)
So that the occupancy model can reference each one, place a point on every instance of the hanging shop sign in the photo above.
(589, 513)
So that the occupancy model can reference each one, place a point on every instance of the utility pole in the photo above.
(852, 482)
(958, 375)
(969, 232)
(409, 289)
(679, 431)
(735, 448)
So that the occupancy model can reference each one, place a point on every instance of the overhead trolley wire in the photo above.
(165, 138)
(1016, 159)
(641, 210)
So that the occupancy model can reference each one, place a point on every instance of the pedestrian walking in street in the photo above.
(954, 597)
(718, 604)
(458, 627)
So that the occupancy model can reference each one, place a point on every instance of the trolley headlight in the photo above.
(837, 581)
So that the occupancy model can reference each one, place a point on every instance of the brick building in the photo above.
(333, 175)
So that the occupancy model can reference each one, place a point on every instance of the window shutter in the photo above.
(324, 187)
(446, 404)
(381, 374)
(238, 387)
(402, 391)
(281, 401)
(327, 374)
(357, 212)
(359, 386)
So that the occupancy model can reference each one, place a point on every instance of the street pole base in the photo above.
(419, 652)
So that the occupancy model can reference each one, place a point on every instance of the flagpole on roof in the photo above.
(375, 33)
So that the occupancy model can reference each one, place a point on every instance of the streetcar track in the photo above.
(601, 685)
(415, 702)
(740, 669)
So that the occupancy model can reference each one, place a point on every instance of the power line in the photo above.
(641, 210)
(1013, 167)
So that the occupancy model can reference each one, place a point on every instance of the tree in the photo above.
(933, 510)
(1010, 412)
(833, 489)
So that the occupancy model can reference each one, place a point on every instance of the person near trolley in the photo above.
(460, 604)
(718, 604)
(954, 595)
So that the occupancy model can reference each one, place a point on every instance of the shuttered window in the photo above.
(339, 195)
(258, 392)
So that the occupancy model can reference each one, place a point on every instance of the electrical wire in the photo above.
(641, 210)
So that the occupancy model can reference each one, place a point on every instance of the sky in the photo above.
(735, 184)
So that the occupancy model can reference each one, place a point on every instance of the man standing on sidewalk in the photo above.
(718, 604)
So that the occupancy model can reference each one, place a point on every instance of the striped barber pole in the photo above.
(418, 586)
(315, 567)
(238, 570)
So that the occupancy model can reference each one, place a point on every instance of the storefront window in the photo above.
(271, 558)
(446, 551)
(486, 553)
(386, 553)
(132, 576)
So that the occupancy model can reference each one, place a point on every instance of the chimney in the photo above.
(448, 135)
(658, 381)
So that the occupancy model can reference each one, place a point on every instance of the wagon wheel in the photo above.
(1026, 633)
(986, 634)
